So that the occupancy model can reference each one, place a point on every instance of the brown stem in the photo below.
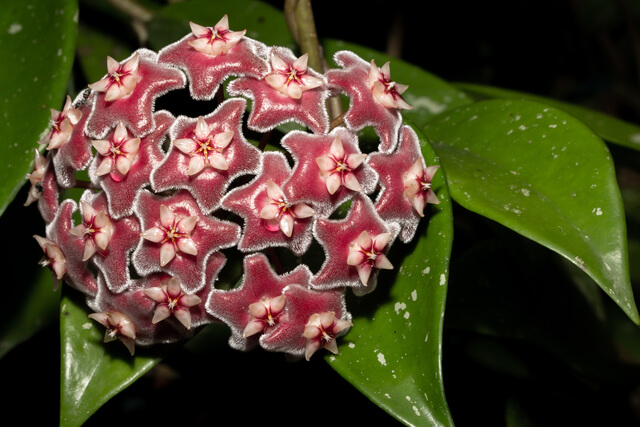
(337, 121)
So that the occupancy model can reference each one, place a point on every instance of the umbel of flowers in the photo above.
(168, 194)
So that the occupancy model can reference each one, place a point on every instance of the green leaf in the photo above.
(607, 127)
(92, 371)
(544, 174)
(429, 95)
(393, 353)
(262, 21)
(37, 49)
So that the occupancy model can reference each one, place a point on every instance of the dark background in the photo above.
(585, 52)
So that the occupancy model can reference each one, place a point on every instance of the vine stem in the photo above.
(299, 17)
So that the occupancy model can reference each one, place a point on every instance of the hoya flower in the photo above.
(204, 147)
(326, 173)
(173, 233)
(321, 331)
(269, 219)
(121, 79)
(216, 40)
(41, 163)
(179, 239)
(385, 91)
(264, 313)
(53, 258)
(300, 99)
(369, 104)
(291, 78)
(77, 275)
(62, 123)
(279, 214)
(254, 309)
(208, 153)
(119, 326)
(366, 253)
(95, 230)
(406, 184)
(208, 56)
(117, 153)
(123, 193)
(76, 153)
(136, 110)
(172, 301)
(337, 167)
(302, 304)
(417, 184)
(351, 249)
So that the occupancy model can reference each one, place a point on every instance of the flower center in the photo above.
(172, 233)
(172, 303)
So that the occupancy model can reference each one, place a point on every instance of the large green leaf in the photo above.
(262, 21)
(429, 95)
(544, 174)
(393, 353)
(607, 127)
(92, 372)
(37, 48)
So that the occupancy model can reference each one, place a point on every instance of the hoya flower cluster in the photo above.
(167, 195)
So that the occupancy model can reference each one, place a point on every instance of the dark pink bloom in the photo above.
(216, 154)
(62, 123)
(326, 163)
(253, 309)
(119, 326)
(178, 238)
(369, 104)
(303, 305)
(44, 187)
(265, 213)
(270, 107)
(53, 258)
(135, 110)
(340, 238)
(322, 330)
(209, 55)
(172, 301)
(76, 153)
(406, 184)
(122, 193)
(78, 276)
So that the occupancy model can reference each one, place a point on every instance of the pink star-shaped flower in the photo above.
(303, 305)
(122, 194)
(325, 163)
(62, 123)
(322, 330)
(253, 309)
(406, 183)
(135, 110)
(113, 256)
(271, 107)
(44, 187)
(263, 226)
(340, 238)
(172, 301)
(115, 154)
(53, 258)
(121, 79)
(178, 238)
(95, 229)
(78, 276)
(369, 104)
(119, 327)
(76, 153)
(228, 155)
(209, 55)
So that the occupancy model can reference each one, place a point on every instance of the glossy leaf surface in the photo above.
(91, 372)
(393, 352)
(607, 127)
(37, 49)
(544, 174)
